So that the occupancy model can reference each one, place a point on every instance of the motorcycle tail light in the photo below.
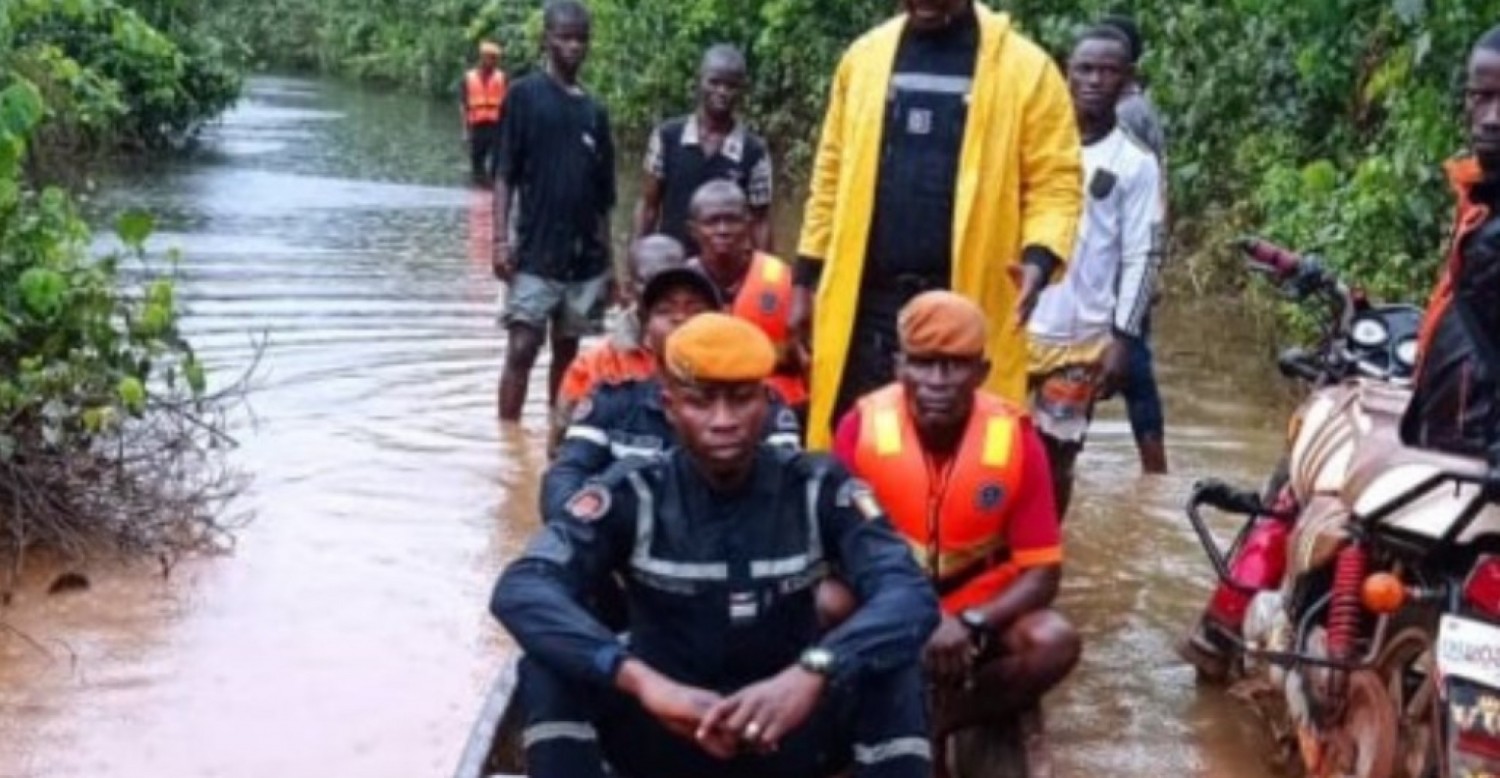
(1482, 590)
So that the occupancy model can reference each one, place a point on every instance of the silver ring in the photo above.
(752, 730)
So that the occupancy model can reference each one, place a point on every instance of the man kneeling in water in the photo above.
(965, 479)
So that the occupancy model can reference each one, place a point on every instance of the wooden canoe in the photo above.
(494, 746)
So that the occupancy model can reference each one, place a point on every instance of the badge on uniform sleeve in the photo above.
(858, 493)
(589, 503)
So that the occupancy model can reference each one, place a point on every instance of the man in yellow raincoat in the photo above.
(949, 159)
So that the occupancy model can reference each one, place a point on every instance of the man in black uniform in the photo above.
(625, 419)
(721, 542)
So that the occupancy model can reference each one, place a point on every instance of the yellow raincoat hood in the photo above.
(1019, 184)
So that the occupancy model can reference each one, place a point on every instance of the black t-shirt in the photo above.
(926, 111)
(558, 155)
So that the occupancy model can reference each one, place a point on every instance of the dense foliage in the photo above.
(106, 425)
(133, 72)
(1320, 124)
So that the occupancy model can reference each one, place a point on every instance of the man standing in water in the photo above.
(482, 103)
(721, 543)
(949, 159)
(1082, 329)
(709, 144)
(558, 155)
(1138, 115)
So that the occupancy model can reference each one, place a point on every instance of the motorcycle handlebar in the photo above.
(1268, 256)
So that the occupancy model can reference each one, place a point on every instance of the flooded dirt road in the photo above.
(347, 633)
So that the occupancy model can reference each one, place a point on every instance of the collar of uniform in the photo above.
(765, 481)
(733, 147)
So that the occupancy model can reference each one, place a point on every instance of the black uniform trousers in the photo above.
(572, 729)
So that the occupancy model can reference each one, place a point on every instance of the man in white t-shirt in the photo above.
(1082, 326)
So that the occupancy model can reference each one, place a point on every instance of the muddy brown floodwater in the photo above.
(347, 633)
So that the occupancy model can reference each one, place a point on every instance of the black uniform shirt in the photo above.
(624, 420)
(557, 153)
(926, 112)
(720, 585)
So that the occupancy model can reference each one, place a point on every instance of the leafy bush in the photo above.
(107, 430)
(108, 76)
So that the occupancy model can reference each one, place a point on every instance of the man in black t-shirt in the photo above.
(709, 144)
(557, 155)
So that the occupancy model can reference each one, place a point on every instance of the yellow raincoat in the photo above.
(1019, 184)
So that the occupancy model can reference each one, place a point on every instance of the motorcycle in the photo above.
(1360, 599)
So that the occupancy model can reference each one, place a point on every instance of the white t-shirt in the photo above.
(1109, 280)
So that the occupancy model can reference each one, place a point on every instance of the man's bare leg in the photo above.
(522, 343)
(1036, 654)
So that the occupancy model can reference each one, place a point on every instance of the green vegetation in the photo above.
(114, 72)
(107, 428)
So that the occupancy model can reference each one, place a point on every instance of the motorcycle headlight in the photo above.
(1406, 352)
(1369, 333)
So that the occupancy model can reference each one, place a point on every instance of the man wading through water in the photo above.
(482, 103)
(1084, 327)
(557, 153)
(949, 159)
(707, 145)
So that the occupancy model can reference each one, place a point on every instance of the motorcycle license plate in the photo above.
(1469, 649)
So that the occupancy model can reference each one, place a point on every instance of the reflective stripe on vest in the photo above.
(766, 298)
(954, 521)
(484, 98)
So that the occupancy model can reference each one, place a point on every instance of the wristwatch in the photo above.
(978, 626)
(817, 660)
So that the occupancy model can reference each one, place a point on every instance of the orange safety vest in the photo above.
(484, 97)
(765, 300)
(953, 519)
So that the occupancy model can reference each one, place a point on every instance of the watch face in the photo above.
(973, 620)
(818, 660)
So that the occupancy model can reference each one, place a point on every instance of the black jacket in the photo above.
(720, 586)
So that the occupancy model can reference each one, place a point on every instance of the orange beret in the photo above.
(942, 324)
(719, 347)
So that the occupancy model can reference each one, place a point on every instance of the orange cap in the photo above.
(942, 324)
(719, 347)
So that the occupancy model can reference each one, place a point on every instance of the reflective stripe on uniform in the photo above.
(558, 730)
(645, 530)
(895, 748)
(623, 450)
(785, 440)
(591, 434)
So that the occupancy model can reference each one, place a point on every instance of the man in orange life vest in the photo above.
(965, 479)
(629, 352)
(482, 100)
(754, 286)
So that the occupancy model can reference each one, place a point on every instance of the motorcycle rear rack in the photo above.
(1225, 498)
